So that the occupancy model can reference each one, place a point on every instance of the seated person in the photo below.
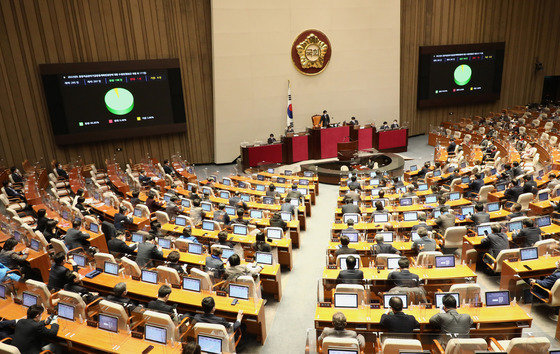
(118, 244)
(11, 191)
(475, 185)
(450, 323)
(547, 282)
(350, 207)
(445, 220)
(343, 248)
(425, 169)
(151, 202)
(196, 213)
(143, 178)
(220, 215)
(271, 192)
(148, 252)
(61, 277)
(271, 139)
(160, 304)
(167, 167)
(340, 331)
(514, 191)
(16, 175)
(409, 191)
(60, 171)
(379, 209)
(403, 277)
(214, 264)
(353, 184)
(396, 321)
(50, 230)
(350, 275)
(276, 221)
(353, 121)
(81, 207)
(75, 238)
(480, 216)
(421, 223)
(121, 220)
(516, 211)
(287, 206)
(294, 193)
(172, 209)
(240, 217)
(7, 328)
(236, 201)
(209, 306)
(119, 296)
(260, 243)
(425, 243)
(395, 124)
(135, 200)
(528, 235)
(42, 220)
(186, 235)
(451, 147)
(350, 224)
(529, 185)
(384, 126)
(173, 262)
(11, 258)
(223, 239)
(381, 247)
(31, 334)
(235, 269)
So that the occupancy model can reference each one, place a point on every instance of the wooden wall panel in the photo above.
(34, 32)
(530, 29)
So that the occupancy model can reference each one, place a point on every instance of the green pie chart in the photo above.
(119, 101)
(462, 74)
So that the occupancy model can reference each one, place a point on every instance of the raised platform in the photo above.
(329, 171)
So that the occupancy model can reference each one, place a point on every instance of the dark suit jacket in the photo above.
(119, 246)
(108, 230)
(495, 243)
(160, 306)
(404, 278)
(345, 250)
(146, 253)
(350, 208)
(350, 276)
(528, 236)
(152, 204)
(211, 318)
(529, 186)
(216, 265)
(424, 244)
(30, 336)
(42, 223)
(167, 169)
(126, 302)
(325, 120)
(475, 185)
(59, 276)
(7, 328)
(384, 248)
(549, 281)
(451, 147)
(121, 220)
(278, 222)
(75, 238)
(421, 224)
(398, 322)
(513, 193)
(17, 177)
(517, 171)
(480, 217)
(261, 247)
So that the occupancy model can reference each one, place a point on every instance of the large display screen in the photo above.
(460, 74)
(113, 100)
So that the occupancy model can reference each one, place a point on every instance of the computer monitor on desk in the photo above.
(527, 254)
(137, 213)
(155, 334)
(2, 291)
(108, 323)
(484, 230)
(164, 243)
(28, 299)
(93, 227)
(227, 252)
(149, 276)
(466, 210)
(445, 261)
(515, 226)
(239, 291)
(239, 229)
(431, 199)
(256, 214)
(195, 248)
(286, 216)
(350, 216)
(387, 298)
(422, 187)
(410, 216)
(454, 196)
(387, 236)
(186, 203)
(544, 221)
(345, 300)
(111, 268)
(352, 236)
(207, 225)
(264, 258)
(438, 297)
(497, 298)
(493, 207)
(208, 344)
(66, 311)
(500, 187)
(139, 238)
(343, 265)
(381, 218)
(393, 262)
(191, 284)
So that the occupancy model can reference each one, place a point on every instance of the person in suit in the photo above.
(152, 203)
(350, 226)
(173, 262)
(480, 216)
(381, 247)
(119, 296)
(145, 180)
(60, 171)
(344, 249)
(514, 191)
(16, 175)
(196, 213)
(516, 211)
(293, 193)
(552, 181)
(353, 121)
(339, 330)
(208, 307)
(287, 206)
(395, 124)
(75, 238)
(11, 191)
(135, 199)
(240, 217)
(42, 220)
(31, 335)
(445, 220)
(11, 258)
(167, 167)
(172, 209)
(160, 304)
(450, 323)
(271, 139)
(424, 243)
(495, 242)
(260, 244)
(50, 231)
(547, 282)
(451, 147)
(61, 277)
(421, 223)
(403, 277)
(148, 251)
(7, 328)
(271, 192)
(350, 275)
(425, 169)
(529, 185)
(517, 170)
(528, 235)
(223, 239)
(276, 221)
(235, 269)
(325, 120)
(81, 207)
(384, 126)
(350, 207)
(121, 220)
(475, 185)
(395, 321)
(118, 245)
(353, 184)
(236, 201)
(214, 263)
(220, 215)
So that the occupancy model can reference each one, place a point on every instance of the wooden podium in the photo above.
(347, 150)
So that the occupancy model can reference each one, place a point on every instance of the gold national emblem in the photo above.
(312, 52)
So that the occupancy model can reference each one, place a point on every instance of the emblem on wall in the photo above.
(311, 52)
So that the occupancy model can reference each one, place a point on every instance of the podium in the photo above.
(347, 150)
(295, 147)
(394, 140)
(252, 156)
(363, 134)
(322, 141)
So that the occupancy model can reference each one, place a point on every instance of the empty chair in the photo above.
(357, 289)
(58, 246)
(457, 135)
(553, 140)
(468, 293)
(483, 193)
(394, 345)
(74, 299)
(525, 199)
(546, 246)
(115, 310)
(463, 346)
(101, 258)
(427, 258)
(453, 237)
(254, 286)
(144, 210)
(162, 320)
(40, 289)
(205, 280)
(162, 217)
(217, 331)
(381, 258)
(168, 275)
(130, 267)
(522, 345)
(496, 264)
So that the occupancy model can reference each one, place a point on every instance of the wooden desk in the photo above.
(364, 249)
(514, 271)
(187, 301)
(88, 338)
(39, 260)
(108, 213)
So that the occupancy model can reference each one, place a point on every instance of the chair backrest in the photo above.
(145, 210)
(162, 320)
(555, 294)
(503, 255)
(101, 258)
(484, 191)
(545, 246)
(205, 280)
(357, 289)
(40, 289)
(216, 331)
(168, 275)
(254, 287)
(162, 217)
(116, 310)
(381, 258)
(524, 345)
(58, 246)
(453, 237)
(216, 224)
(8, 349)
(41, 238)
(553, 140)
(468, 293)
(465, 345)
(130, 267)
(127, 205)
(427, 258)
(524, 199)
(74, 299)
(339, 343)
(394, 345)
